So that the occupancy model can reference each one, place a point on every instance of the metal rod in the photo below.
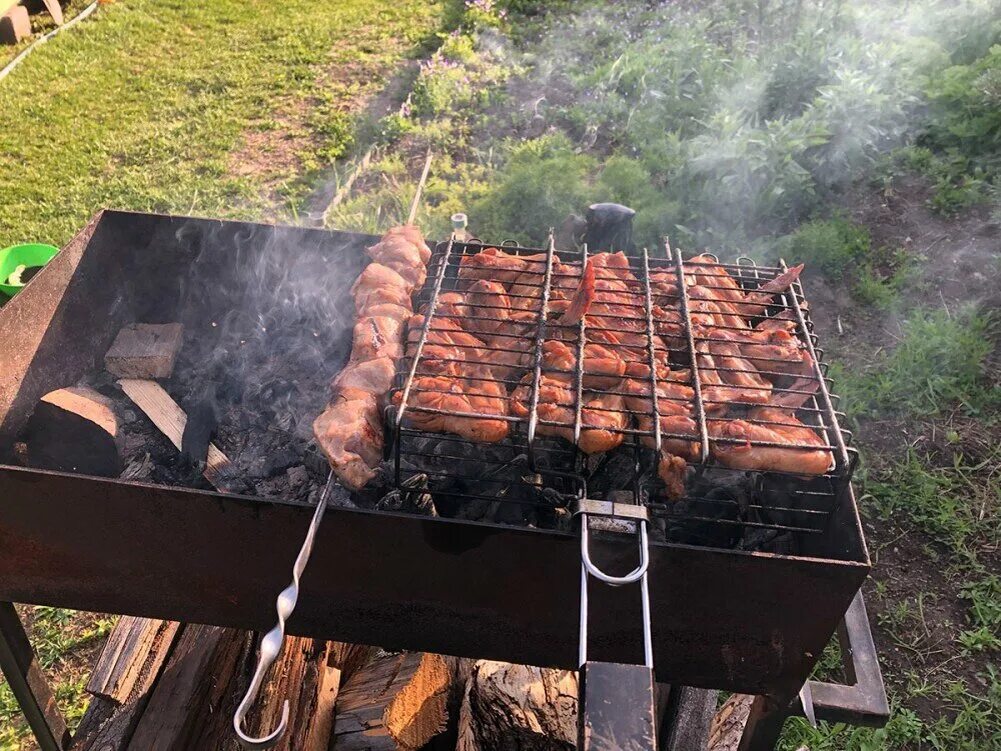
(540, 334)
(420, 189)
(273, 641)
(824, 393)
(700, 412)
(428, 316)
(579, 370)
(597, 573)
(651, 351)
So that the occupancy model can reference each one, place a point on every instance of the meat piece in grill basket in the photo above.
(349, 431)
(508, 333)
(711, 275)
(494, 265)
(611, 299)
(454, 375)
(674, 408)
(804, 453)
(730, 367)
(456, 401)
(603, 369)
(603, 415)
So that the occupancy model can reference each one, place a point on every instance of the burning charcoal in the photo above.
(138, 469)
(315, 461)
(411, 496)
(274, 462)
(229, 480)
(298, 477)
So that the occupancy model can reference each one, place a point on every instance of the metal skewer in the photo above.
(273, 641)
(415, 204)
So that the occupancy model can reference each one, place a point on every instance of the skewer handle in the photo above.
(274, 640)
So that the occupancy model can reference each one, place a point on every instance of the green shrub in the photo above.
(953, 194)
(542, 182)
(460, 48)
(965, 111)
(832, 246)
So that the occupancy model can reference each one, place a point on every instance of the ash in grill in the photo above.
(536, 376)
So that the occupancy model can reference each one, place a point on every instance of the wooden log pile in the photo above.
(161, 686)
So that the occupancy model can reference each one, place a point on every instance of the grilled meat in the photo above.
(772, 425)
(603, 415)
(349, 431)
(463, 402)
(475, 368)
(454, 375)
(710, 274)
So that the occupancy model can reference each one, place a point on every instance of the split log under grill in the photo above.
(566, 423)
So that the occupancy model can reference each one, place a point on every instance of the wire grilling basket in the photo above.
(535, 376)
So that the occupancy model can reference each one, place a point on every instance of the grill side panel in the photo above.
(747, 622)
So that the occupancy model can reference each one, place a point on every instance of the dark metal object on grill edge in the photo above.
(754, 622)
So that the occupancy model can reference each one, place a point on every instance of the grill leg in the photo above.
(31, 690)
(764, 725)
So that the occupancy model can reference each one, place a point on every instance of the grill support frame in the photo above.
(199, 556)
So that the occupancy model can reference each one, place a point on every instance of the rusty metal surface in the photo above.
(745, 622)
(740, 621)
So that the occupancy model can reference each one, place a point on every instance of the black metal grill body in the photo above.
(742, 621)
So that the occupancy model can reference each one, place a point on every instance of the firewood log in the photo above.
(728, 724)
(75, 429)
(514, 706)
(399, 702)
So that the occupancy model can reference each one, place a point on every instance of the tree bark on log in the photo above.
(193, 689)
(728, 724)
(122, 681)
(514, 707)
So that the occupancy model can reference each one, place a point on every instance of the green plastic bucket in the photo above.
(16, 260)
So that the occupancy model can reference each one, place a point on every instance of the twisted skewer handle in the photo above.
(271, 644)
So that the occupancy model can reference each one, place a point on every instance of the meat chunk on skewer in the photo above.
(349, 431)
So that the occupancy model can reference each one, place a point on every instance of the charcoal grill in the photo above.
(750, 621)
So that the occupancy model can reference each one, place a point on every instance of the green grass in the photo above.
(226, 108)
(937, 363)
(58, 636)
(144, 105)
(957, 505)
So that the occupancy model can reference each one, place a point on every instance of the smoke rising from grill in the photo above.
(283, 329)
(727, 122)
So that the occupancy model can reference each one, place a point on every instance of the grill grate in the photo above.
(496, 418)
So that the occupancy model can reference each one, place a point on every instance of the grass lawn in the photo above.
(225, 108)
(222, 108)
